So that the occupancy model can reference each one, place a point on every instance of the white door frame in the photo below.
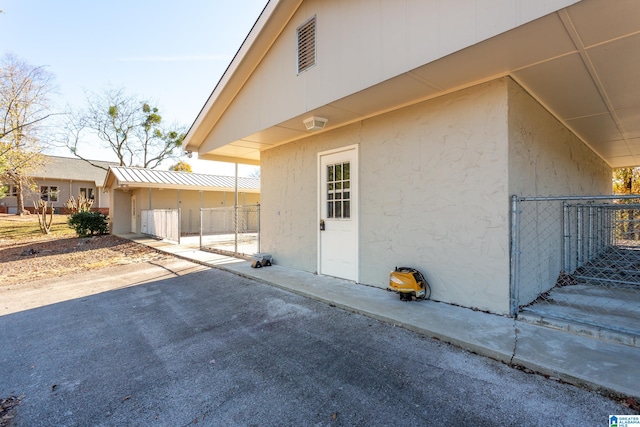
(355, 208)
(133, 213)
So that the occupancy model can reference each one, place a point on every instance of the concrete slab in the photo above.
(175, 343)
(581, 360)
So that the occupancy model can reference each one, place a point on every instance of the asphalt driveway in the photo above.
(179, 345)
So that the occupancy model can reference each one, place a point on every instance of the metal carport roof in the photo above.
(120, 176)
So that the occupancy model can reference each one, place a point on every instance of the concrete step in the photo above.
(589, 326)
(611, 314)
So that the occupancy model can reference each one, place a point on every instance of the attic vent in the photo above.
(306, 34)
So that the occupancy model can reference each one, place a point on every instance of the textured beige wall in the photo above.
(435, 186)
(120, 211)
(546, 159)
(433, 195)
(437, 174)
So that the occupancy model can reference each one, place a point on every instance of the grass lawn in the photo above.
(16, 228)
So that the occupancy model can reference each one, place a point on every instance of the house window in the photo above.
(306, 42)
(339, 190)
(49, 194)
(87, 193)
(11, 190)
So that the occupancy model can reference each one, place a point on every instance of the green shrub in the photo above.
(89, 223)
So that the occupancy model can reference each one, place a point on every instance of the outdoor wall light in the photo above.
(315, 123)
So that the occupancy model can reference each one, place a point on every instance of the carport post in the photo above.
(201, 206)
(515, 254)
(235, 220)
(201, 225)
(179, 217)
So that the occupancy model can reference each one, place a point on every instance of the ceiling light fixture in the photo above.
(315, 123)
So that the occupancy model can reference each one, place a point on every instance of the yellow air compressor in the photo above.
(409, 283)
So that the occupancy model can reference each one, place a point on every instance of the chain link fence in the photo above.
(233, 230)
(580, 255)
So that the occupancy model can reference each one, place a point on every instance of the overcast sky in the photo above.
(171, 52)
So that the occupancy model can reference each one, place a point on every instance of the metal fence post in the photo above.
(179, 224)
(566, 236)
(235, 220)
(579, 238)
(515, 253)
(591, 250)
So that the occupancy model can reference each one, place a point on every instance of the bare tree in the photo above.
(24, 104)
(132, 129)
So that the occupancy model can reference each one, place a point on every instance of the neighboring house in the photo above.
(59, 179)
(132, 190)
(404, 127)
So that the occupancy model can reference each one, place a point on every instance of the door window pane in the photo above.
(338, 201)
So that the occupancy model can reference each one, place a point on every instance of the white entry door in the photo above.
(134, 212)
(338, 222)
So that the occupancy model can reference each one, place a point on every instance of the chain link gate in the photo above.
(232, 230)
(577, 258)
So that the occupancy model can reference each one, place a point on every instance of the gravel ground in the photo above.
(24, 261)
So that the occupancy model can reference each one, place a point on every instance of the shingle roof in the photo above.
(68, 168)
(141, 177)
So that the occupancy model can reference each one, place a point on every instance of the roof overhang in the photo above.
(582, 63)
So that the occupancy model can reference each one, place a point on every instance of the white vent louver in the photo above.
(306, 34)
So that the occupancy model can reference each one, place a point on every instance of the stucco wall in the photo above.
(120, 211)
(433, 192)
(435, 186)
(546, 159)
